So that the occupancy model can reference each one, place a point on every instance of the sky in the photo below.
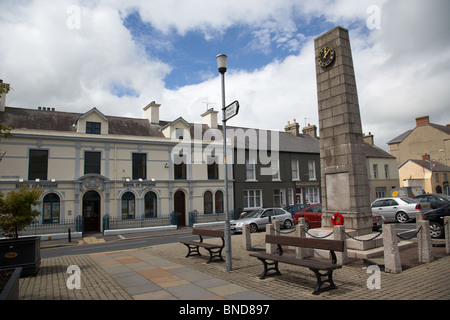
(118, 56)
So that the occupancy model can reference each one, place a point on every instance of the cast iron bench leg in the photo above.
(193, 250)
(214, 254)
(266, 269)
(318, 289)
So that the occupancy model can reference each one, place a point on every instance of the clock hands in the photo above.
(326, 52)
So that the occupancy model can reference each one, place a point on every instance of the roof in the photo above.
(437, 166)
(64, 121)
(401, 137)
(372, 151)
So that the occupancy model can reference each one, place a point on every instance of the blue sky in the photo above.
(118, 56)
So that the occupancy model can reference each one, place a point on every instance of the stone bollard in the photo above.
(424, 244)
(270, 248)
(447, 234)
(300, 232)
(392, 263)
(246, 237)
(339, 234)
(420, 216)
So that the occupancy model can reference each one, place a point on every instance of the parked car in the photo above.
(436, 218)
(399, 209)
(313, 217)
(258, 219)
(436, 200)
(293, 209)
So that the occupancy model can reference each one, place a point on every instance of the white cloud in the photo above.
(402, 70)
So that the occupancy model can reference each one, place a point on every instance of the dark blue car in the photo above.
(436, 218)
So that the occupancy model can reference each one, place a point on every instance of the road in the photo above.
(113, 246)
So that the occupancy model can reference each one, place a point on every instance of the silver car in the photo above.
(258, 219)
(399, 209)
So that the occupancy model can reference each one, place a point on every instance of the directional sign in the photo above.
(231, 110)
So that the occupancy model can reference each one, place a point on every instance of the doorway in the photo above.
(180, 207)
(91, 211)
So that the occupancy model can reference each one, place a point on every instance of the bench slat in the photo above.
(208, 232)
(319, 265)
(325, 244)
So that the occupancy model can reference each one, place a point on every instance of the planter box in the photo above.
(11, 289)
(23, 252)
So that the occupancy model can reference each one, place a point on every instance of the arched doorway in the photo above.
(180, 207)
(91, 211)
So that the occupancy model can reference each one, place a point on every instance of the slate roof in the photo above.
(64, 121)
(35, 119)
(437, 166)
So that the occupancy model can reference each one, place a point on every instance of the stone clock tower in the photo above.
(345, 186)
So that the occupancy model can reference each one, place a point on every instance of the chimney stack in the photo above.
(152, 112)
(368, 138)
(4, 89)
(422, 121)
(311, 130)
(210, 118)
(293, 128)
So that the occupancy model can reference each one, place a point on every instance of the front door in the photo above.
(180, 207)
(91, 211)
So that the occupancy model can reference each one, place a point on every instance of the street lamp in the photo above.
(222, 66)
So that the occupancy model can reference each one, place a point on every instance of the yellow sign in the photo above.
(395, 193)
(11, 255)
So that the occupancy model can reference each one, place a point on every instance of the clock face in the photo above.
(326, 56)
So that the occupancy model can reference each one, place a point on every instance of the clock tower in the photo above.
(345, 186)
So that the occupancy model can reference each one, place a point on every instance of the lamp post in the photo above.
(222, 66)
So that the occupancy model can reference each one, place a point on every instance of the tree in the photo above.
(16, 210)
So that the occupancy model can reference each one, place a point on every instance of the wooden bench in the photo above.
(215, 250)
(314, 265)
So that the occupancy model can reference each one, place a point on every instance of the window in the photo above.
(250, 169)
(51, 208)
(386, 171)
(295, 170)
(179, 133)
(375, 171)
(437, 177)
(279, 199)
(252, 199)
(290, 196)
(150, 204)
(93, 127)
(92, 162)
(128, 206)
(380, 192)
(180, 171)
(312, 195)
(207, 202)
(38, 165)
(139, 166)
(219, 202)
(312, 170)
(275, 169)
(213, 171)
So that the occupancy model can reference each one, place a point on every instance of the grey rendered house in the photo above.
(292, 176)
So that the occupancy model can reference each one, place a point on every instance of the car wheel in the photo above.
(288, 224)
(307, 226)
(436, 230)
(253, 228)
(401, 217)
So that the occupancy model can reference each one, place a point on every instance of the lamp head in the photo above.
(222, 62)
